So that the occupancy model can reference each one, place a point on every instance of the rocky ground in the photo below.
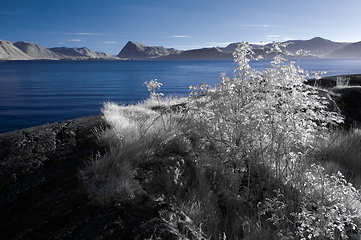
(42, 197)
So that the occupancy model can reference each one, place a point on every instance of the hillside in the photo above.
(136, 50)
(36, 52)
(10, 52)
(32, 51)
(79, 53)
(317, 46)
(232, 47)
(203, 53)
(351, 50)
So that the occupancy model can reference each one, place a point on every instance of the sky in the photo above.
(107, 25)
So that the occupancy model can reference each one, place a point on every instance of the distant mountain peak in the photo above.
(35, 51)
(137, 50)
(8, 51)
(318, 39)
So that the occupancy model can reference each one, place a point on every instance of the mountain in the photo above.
(36, 52)
(232, 47)
(203, 53)
(317, 46)
(136, 50)
(32, 51)
(10, 52)
(79, 53)
(351, 50)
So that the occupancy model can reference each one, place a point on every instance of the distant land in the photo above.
(317, 47)
(32, 51)
(135, 50)
(351, 50)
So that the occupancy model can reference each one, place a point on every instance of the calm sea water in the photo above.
(39, 92)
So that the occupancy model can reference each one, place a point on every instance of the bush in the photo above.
(269, 116)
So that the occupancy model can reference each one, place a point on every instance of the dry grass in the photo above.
(343, 153)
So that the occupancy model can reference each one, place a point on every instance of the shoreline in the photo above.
(324, 82)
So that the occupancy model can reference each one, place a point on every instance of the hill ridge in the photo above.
(135, 50)
(33, 51)
(351, 50)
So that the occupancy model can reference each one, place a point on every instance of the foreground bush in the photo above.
(238, 160)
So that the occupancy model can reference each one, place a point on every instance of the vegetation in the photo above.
(253, 158)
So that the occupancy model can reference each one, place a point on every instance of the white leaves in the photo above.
(302, 52)
(328, 204)
(152, 86)
(242, 56)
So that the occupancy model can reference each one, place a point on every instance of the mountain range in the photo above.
(317, 47)
(32, 51)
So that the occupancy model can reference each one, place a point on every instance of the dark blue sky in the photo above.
(107, 25)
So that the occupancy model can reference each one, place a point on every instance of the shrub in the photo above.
(268, 116)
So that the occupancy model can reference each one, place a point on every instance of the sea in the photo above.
(34, 93)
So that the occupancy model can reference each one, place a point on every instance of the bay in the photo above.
(38, 92)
